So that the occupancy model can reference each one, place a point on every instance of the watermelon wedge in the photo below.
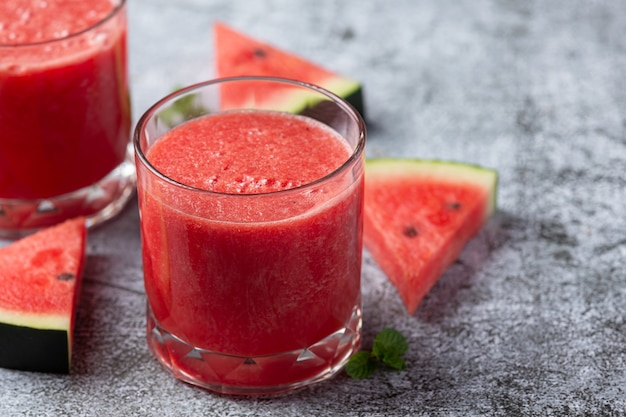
(40, 278)
(418, 216)
(241, 55)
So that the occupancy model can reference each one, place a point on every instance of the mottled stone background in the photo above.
(529, 322)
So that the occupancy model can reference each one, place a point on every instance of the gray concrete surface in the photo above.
(529, 322)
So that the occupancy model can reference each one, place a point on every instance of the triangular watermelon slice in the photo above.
(240, 55)
(418, 216)
(40, 279)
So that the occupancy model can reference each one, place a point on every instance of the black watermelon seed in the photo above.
(66, 276)
(410, 231)
(259, 53)
(453, 206)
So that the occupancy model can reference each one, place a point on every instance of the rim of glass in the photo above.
(100, 22)
(347, 107)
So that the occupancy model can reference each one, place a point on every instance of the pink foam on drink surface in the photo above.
(29, 21)
(249, 152)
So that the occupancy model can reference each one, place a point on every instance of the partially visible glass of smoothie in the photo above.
(251, 194)
(65, 116)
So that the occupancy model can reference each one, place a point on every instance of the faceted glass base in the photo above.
(98, 202)
(255, 375)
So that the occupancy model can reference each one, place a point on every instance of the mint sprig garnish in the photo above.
(184, 108)
(389, 346)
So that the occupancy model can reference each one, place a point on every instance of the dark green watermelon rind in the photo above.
(37, 350)
(355, 98)
(350, 90)
(303, 102)
(389, 169)
(35, 342)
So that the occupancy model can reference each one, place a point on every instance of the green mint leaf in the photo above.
(395, 362)
(184, 108)
(389, 343)
(361, 365)
(389, 346)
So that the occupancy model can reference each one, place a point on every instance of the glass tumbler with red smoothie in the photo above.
(251, 223)
(64, 112)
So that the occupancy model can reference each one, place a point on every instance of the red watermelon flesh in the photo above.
(40, 279)
(241, 55)
(418, 216)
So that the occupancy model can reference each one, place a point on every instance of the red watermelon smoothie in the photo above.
(64, 111)
(251, 230)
